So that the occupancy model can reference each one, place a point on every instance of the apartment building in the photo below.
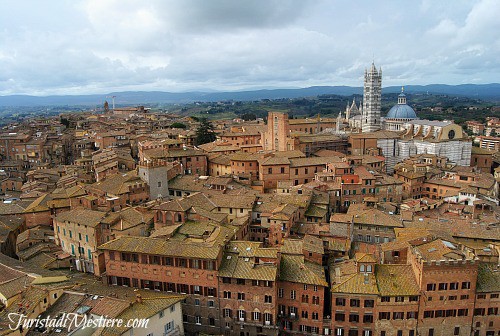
(187, 263)
(248, 289)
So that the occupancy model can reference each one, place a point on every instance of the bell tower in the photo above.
(372, 96)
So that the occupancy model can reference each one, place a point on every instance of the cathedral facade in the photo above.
(401, 133)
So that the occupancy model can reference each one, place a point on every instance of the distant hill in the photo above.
(481, 91)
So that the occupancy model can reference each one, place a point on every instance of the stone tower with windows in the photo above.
(278, 129)
(372, 97)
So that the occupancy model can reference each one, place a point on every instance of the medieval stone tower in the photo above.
(278, 129)
(372, 97)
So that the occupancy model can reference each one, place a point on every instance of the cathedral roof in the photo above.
(401, 111)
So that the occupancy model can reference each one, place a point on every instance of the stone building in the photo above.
(79, 232)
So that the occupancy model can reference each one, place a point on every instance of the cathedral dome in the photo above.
(401, 110)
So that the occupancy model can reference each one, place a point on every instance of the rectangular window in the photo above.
(453, 285)
(355, 303)
(431, 287)
(429, 314)
(340, 302)
(384, 316)
(195, 263)
(339, 317)
(466, 285)
(443, 286)
(293, 294)
(353, 318)
(397, 315)
(281, 292)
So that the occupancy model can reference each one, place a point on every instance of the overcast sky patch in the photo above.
(98, 46)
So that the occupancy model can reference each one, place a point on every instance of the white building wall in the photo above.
(397, 150)
(156, 325)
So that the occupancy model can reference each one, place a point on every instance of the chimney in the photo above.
(138, 298)
(337, 274)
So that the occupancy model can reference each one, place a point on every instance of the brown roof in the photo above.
(396, 280)
(181, 244)
(110, 307)
(239, 261)
(85, 217)
(294, 268)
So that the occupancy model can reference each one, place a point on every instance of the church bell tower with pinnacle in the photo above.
(372, 96)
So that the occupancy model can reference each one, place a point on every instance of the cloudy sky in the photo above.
(98, 46)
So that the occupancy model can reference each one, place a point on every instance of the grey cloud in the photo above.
(99, 45)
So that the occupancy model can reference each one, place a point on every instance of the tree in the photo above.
(178, 125)
(205, 132)
(248, 116)
(65, 122)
